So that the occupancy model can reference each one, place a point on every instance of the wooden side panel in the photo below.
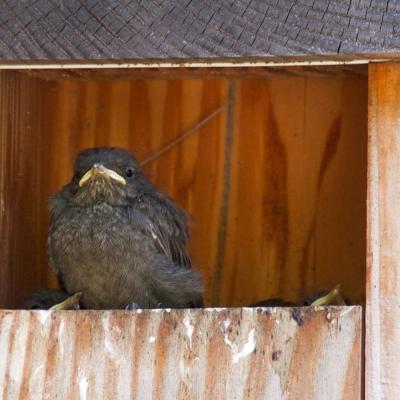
(23, 186)
(162, 354)
(296, 203)
(383, 269)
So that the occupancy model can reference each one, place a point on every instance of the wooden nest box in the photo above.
(276, 125)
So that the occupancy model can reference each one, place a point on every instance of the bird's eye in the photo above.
(129, 173)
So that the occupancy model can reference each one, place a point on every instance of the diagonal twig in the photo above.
(183, 136)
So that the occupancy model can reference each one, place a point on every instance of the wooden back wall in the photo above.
(275, 179)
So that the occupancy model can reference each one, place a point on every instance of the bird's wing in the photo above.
(166, 223)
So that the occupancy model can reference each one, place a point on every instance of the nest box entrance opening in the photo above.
(271, 166)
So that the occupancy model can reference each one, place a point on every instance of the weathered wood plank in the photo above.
(205, 72)
(188, 30)
(182, 354)
(383, 267)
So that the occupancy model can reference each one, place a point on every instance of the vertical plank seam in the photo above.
(223, 215)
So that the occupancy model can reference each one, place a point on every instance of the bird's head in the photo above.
(104, 175)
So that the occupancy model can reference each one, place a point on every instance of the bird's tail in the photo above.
(176, 286)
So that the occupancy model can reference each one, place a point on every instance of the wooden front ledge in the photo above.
(224, 353)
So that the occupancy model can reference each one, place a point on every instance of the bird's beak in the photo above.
(70, 303)
(333, 298)
(100, 170)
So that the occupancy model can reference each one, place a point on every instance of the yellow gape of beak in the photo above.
(97, 170)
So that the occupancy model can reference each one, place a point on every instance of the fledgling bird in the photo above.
(274, 302)
(117, 239)
(325, 298)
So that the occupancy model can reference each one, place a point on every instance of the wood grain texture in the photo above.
(275, 182)
(182, 354)
(296, 204)
(383, 276)
(184, 29)
(23, 183)
(233, 71)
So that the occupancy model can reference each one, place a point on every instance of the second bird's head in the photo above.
(105, 175)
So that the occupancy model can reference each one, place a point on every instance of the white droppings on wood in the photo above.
(248, 348)
(139, 311)
(43, 315)
(167, 310)
(107, 342)
(227, 322)
(83, 387)
(189, 328)
(216, 309)
(109, 347)
(329, 316)
(152, 339)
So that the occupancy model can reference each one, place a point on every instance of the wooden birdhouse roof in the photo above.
(97, 30)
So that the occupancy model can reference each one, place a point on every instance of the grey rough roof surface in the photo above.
(160, 29)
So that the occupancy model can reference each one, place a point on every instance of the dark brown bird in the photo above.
(52, 299)
(117, 239)
(43, 299)
(324, 298)
(275, 302)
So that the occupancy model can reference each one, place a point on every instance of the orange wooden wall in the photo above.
(23, 187)
(275, 182)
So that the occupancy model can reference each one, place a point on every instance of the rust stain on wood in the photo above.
(310, 233)
(275, 196)
(223, 214)
(182, 354)
(331, 147)
(330, 150)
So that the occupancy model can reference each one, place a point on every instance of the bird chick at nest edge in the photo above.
(118, 240)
